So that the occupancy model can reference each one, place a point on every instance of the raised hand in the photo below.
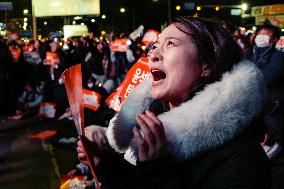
(150, 137)
(94, 140)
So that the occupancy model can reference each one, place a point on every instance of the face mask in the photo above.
(262, 40)
(90, 85)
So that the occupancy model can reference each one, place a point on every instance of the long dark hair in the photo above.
(214, 42)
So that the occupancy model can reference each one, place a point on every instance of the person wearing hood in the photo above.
(194, 124)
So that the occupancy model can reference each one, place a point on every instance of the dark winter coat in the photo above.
(240, 163)
(211, 138)
(270, 61)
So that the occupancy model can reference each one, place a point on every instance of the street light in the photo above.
(25, 11)
(244, 6)
(198, 8)
(217, 8)
(103, 16)
(122, 10)
(177, 7)
(93, 20)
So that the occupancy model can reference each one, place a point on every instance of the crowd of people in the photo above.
(31, 73)
(211, 116)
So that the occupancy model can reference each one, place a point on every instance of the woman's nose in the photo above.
(155, 56)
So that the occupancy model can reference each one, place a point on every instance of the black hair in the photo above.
(214, 42)
(275, 30)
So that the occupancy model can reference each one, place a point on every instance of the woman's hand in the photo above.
(94, 139)
(96, 134)
(153, 143)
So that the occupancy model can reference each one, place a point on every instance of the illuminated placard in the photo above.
(75, 30)
(65, 7)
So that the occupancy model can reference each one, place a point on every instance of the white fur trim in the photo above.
(212, 117)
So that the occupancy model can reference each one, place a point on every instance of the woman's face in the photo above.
(175, 66)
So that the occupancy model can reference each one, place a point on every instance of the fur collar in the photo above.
(212, 117)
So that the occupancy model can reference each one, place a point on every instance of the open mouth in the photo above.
(158, 74)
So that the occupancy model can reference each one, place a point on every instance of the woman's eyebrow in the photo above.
(167, 38)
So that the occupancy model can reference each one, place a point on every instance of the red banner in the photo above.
(119, 45)
(138, 73)
(150, 37)
(92, 99)
(51, 59)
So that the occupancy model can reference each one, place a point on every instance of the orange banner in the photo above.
(51, 58)
(113, 101)
(138, 73)
(119, 45)
(72, 182)
(47, 110)
(44, 134)
(92, 99)
(150, 37)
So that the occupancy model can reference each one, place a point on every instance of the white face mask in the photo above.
(262, 40)
(90, 85)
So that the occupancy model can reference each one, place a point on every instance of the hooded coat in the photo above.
(213, 138)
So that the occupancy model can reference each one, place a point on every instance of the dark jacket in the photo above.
(270, 61)
(240, 163)
(211, 138)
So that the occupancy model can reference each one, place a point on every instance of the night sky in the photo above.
(147, 12)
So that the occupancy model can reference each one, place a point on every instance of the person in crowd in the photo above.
(5, 59)
(57, 63)
(194, 124)
(16, 76)
(59, 96)
(120, 61)
(54, 66)
(271, 63)
(243, 43)
(98, 65)
(33, 55)
(103, 113)
(29, 101)
(77, 53)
